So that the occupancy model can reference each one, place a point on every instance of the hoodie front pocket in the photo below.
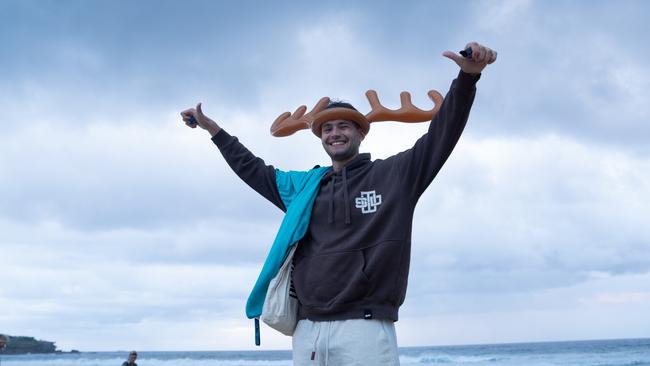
(327, 281)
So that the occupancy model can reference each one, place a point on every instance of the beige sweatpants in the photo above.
(345, 343)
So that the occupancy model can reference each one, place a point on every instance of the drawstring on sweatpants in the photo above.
(313, 350)
(327, 343)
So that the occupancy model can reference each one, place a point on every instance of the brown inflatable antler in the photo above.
(287, 123)
(406, 113)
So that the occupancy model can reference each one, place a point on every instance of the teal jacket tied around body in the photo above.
(298, 191)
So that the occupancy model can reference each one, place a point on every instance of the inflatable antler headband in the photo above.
(287, 124)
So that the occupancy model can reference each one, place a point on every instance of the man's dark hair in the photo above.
(339, 104)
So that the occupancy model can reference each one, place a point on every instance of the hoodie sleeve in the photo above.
(420, 164)
(248, 167)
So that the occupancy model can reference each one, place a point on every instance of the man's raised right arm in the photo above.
(246, 165)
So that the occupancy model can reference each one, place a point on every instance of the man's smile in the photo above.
(338, 143)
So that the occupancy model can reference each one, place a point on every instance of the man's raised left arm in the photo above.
(420, 164)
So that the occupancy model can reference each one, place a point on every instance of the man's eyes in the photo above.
(340, 127)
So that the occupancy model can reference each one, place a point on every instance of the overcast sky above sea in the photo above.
(120, 228)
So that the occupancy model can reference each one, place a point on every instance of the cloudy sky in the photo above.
(120, 228)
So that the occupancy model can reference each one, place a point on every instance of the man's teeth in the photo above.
(338, 143)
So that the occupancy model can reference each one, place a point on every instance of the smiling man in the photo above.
(340, 138)
(351, 265)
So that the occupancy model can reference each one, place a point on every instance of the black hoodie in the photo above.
(354, 259)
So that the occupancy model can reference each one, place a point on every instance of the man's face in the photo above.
(341, 139)
(132, 357)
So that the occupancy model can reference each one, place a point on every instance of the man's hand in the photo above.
(481, 57)
(194, 117)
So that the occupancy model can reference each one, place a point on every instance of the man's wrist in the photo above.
(468, 78)
(213, 130)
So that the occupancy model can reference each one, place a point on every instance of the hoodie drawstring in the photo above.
(346, 197)
(330, 215)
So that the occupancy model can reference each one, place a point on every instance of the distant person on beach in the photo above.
(131, 360)
(351, 265)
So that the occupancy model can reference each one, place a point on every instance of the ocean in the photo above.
(623, 352)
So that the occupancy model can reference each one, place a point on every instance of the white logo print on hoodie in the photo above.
(368, 201)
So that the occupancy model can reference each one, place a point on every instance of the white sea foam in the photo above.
(446, 359)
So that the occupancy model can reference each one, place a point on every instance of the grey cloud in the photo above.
(555, 76)
(111, 178)
(493, 227)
